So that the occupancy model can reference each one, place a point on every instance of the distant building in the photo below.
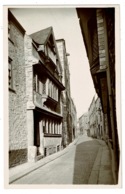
(74, 119)
(17, 93)
(100, 125)
(96, 119)
(81, 125)
(92, 119)
(92, 122)
(78, 129)
(84, 123)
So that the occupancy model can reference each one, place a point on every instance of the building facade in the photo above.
(43, 90)
(17, 93)
(35, 87)
(81, 125)
(99, 119)
(92, 122)
(74, 120)
(96, 119)
(84, 123)
(78, 129)
(98, 31)
(42, 115)
(66, 96)
(92, 119)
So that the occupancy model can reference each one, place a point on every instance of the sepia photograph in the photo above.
(63, 96)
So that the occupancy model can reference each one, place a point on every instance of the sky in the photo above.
(66, 26)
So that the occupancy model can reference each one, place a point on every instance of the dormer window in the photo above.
(51, 54)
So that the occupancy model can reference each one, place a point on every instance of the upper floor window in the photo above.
(9, 29)
(10, 35)
(10, 73)
(45, 86)
(52, 90)
(39, 86)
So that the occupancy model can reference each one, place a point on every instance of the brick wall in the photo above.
(17, 99)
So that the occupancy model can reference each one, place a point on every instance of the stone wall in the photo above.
(62, 54)
(101, 38)
(17, 99)
(30, 60)
(52, 141)
(52, 145)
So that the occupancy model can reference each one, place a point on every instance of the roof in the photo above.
(41, 36)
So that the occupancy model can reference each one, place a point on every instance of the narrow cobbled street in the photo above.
(62, 122)
(83, 163)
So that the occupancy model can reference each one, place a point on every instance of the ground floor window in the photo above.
(51, 126)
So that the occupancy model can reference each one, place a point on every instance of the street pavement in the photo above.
(86, 161)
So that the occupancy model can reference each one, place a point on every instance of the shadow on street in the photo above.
(85, 156)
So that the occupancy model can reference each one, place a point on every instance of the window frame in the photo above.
(10, 37)
(10, 77)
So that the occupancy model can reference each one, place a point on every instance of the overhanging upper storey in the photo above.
(97, 27)
(88, 24)
(42, 70)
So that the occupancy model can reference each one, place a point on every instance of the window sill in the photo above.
(12, 90)
(52, 135)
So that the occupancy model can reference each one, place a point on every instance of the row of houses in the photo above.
(96, 119)
(83, 124)
(98, 31)
(42, 114)
(92, 122)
